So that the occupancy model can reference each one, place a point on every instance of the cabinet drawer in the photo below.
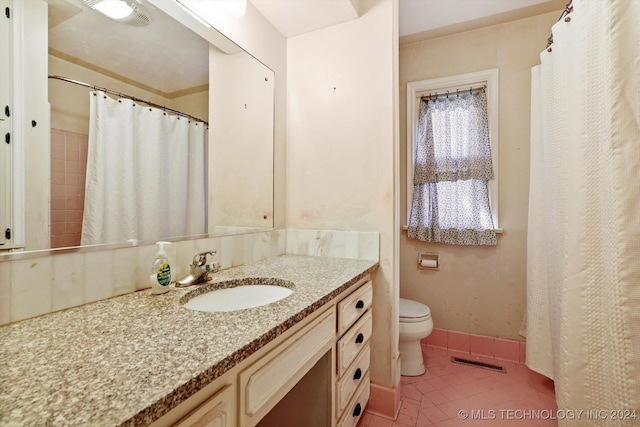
(353, 342)
(356, 407)
(354, 376)
(268, 380)
(218, 411)
(353, 306)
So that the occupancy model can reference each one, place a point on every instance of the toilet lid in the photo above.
(413, 310)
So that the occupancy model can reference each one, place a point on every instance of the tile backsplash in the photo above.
(34, 286)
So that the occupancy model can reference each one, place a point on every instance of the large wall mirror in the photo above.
(170, 65)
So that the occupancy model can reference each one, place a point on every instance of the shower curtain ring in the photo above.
(447, 94)
(457, 93)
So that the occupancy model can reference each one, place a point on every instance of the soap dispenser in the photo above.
(160, 277)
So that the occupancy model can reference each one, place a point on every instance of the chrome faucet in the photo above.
(199, 270)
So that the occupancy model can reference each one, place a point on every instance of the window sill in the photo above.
(498, 230)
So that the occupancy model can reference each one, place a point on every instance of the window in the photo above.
(452, 157)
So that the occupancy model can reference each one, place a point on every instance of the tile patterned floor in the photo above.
(449, 391)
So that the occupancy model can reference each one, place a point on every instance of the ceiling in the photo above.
(163, 57)
(140, 55)
(417, 17)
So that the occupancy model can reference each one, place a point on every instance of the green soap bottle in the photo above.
(160, 277)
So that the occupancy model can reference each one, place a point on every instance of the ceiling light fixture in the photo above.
(211, 11)
(234, 8)
(123, 11)
(114, 9)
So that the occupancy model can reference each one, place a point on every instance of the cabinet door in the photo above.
(264, 383)
(218, 411)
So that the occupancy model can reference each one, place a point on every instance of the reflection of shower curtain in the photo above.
(145, 174)
(583, 281)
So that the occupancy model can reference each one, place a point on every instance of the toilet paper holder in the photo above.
(428, 261)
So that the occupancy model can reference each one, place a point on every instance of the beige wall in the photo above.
(195, 104)
(479, 290)
(37, 150)
(340, 147)
(70, 103)
(240, 142)
(257, 36)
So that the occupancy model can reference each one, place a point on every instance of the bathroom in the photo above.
(339, 163)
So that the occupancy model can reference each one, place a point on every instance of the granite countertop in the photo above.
(130, 359)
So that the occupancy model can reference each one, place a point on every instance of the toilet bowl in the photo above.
(415, 325)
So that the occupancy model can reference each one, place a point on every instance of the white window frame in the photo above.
(415, 90)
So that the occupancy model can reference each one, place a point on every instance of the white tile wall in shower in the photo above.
(145, 255)
(282, 242)
(226, 252)
(238, 250)
(247, 248)
(31, 287)
(185, 250)
(5, 292)
(262, 245)
(125, 270)
(67, 282)
(98, 282)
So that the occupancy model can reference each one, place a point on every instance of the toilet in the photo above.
(415, 325)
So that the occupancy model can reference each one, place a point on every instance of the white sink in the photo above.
(238, 294)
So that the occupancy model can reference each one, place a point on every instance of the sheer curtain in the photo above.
(145, 174)
(452, 169)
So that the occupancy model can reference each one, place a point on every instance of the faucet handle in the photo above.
(201, 259)
(214, 267)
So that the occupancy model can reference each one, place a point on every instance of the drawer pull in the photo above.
(358, 374)
(357, 411)
(360, 338)
(360, 304)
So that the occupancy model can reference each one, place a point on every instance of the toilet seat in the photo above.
(413, 311)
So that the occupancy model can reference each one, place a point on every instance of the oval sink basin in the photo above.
(238, 294)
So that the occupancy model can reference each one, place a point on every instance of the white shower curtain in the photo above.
(145, 174)
(583, 258)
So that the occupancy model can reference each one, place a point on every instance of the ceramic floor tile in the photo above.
(425, 387)
(455, 395)
(436, 397)
(435, 414)
(409, 408)
(377, 421)
(405, 420)
(423, 421)
(411, 393)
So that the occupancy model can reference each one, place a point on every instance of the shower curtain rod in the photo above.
(457, 92)
(133, 98)
(567, 10)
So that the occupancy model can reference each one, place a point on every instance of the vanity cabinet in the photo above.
(267, 381)
(218, 411)
(353, 354)
(315, 374)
